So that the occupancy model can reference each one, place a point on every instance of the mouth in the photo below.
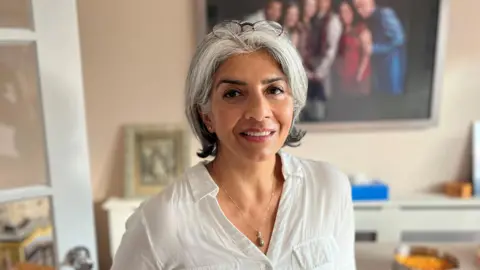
(258, 136)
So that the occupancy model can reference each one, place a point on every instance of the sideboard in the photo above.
(421, 217)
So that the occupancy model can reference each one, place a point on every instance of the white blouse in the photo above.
(184, 227)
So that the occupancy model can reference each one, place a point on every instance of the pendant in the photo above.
(260, 241)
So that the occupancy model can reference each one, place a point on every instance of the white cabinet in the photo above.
(421, 214)
(388, 220)
(118, 212)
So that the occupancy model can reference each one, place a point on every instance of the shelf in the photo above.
(422, 200)
(16, 194)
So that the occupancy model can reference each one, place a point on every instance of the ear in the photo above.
(207, 120)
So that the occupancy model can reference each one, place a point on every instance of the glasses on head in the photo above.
(238, 27)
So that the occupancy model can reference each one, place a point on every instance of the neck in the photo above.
(247, 181)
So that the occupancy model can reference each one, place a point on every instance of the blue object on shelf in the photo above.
(375, 191)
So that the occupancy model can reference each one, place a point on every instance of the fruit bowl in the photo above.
(423, 258)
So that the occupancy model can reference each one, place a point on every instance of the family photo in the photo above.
(366, 60)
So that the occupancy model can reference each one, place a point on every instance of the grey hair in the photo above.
(225, 41)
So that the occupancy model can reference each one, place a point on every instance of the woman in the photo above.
(309, 9)
(291, 18)
(254, 206)
(353, 60)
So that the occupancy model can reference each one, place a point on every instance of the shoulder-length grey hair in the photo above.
(228, 39)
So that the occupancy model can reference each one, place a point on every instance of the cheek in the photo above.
(224, 117)
(284, 114)
(349, 17)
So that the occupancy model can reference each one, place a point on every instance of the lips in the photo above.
(262, 135)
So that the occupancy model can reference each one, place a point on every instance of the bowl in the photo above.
(423, 258)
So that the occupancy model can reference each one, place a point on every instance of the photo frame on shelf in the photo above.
(399, 88)
(155, 155)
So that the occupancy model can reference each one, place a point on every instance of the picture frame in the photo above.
(155, 156)
(425, 28)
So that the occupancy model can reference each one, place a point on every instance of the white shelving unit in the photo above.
(421, 213)
(389, 220)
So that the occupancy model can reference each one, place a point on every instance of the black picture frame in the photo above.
(425, 26)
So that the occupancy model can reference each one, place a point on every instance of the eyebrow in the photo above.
(238, 82)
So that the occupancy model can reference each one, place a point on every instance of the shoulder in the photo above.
(387, 12)
(326, 174)
(321, 175)
(255, 17)
(334, 17)
(162, 209)
(161, 206)
(164, 212)
(335, 21)
(323, 191)
(163, 217)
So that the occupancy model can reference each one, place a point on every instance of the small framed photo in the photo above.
(155, 155)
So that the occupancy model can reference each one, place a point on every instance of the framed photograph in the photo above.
(155, 156)
(370, 63)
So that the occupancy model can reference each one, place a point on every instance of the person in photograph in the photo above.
(388, 50)
(352, 66)
(325, 33)
(248, 204)
(290, 20)
(271, 12)
(308, 11)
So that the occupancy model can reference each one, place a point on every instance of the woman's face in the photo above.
(309, 8)
(346, 13)
(292, 15)
(324, 5)
(274, 11)
(251, 106)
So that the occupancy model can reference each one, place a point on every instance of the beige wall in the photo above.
(135, 56)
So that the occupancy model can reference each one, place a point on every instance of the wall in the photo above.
(135, 56)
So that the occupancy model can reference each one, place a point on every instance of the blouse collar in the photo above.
(201, 183)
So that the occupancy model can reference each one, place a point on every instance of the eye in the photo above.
(231, 93)
(275, 90)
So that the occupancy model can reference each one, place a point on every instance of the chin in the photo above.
(259, 156)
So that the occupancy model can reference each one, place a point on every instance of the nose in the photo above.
(258, 107)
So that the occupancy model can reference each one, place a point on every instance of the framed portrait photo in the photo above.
(155, 155)
(370, 63)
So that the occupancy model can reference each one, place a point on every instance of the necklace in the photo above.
(260, 240)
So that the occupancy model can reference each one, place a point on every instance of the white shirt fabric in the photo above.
(184, 227)
(256, 17)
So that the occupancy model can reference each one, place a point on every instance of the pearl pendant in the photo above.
(260, 241)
